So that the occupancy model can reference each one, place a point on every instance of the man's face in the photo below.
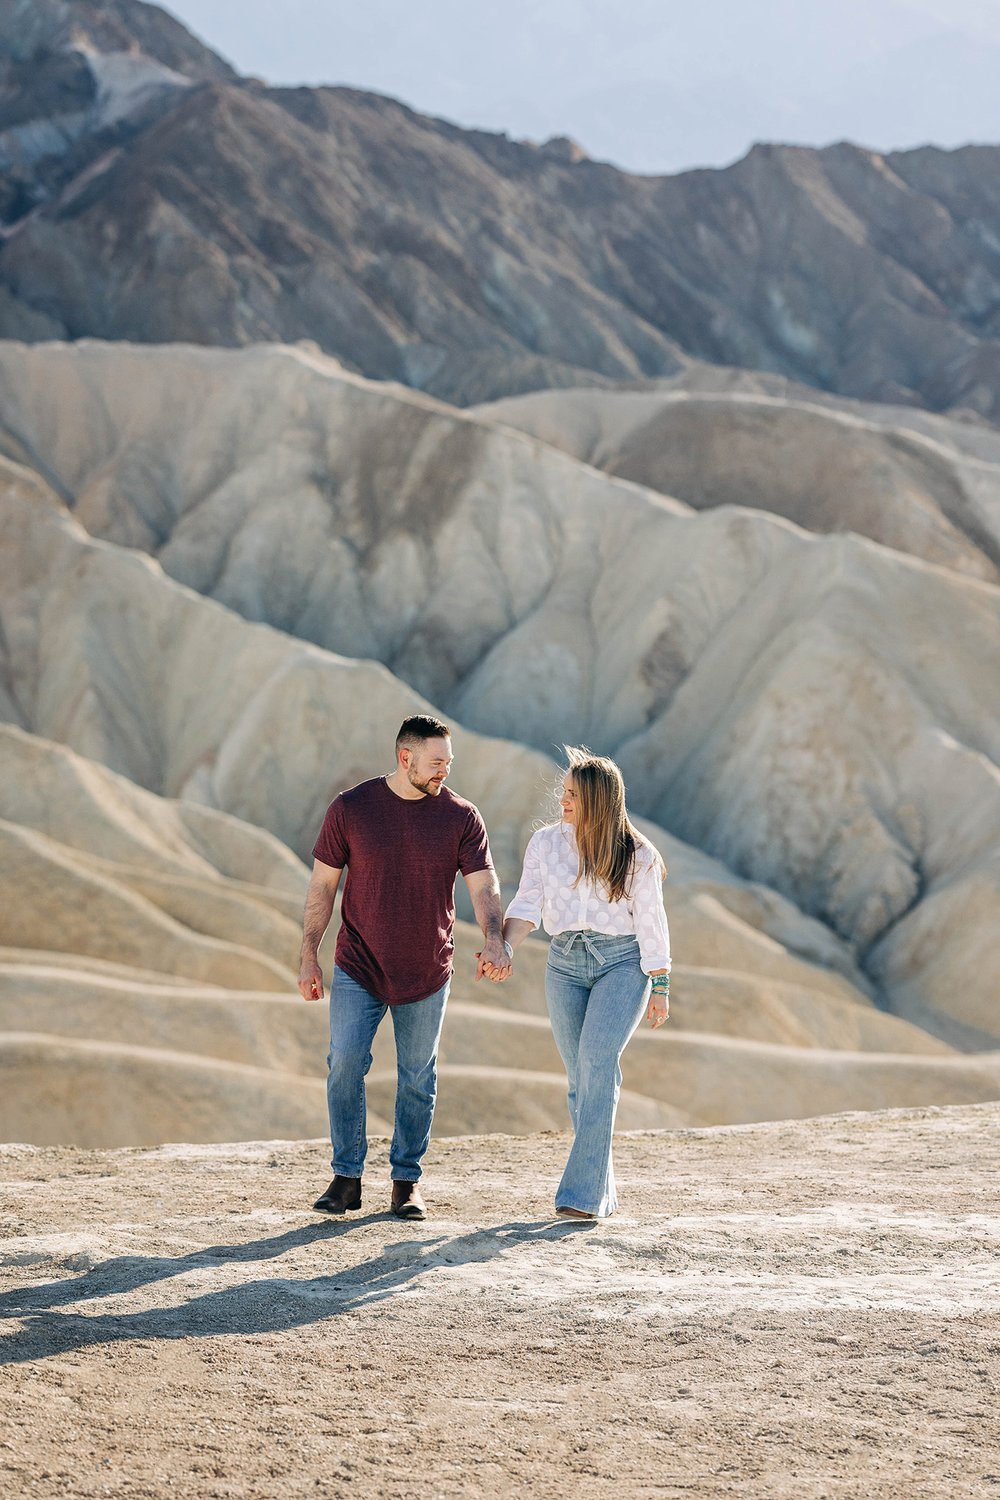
(428, 765)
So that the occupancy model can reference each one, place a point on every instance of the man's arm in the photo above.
(484, 888)
(319, 909)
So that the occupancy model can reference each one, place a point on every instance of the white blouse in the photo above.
(548, 896)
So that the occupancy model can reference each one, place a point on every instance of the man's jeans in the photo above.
(354, 1019)
(597, 994)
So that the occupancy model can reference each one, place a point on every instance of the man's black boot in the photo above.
(342, 1194)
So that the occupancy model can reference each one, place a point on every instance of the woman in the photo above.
(595, 884)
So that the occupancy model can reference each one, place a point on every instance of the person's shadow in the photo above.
(267, 1305)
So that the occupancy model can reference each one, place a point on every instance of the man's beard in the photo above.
(429, 788)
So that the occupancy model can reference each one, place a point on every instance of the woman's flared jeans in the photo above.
(596, 994)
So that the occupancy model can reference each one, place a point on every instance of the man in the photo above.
(402, 838)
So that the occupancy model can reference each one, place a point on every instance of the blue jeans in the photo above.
(354, 1019)
(597, 994)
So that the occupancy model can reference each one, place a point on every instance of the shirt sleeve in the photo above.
(332, 847)
(474, 849)
(527, 903)
(648, 914)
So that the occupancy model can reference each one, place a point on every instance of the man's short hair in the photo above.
(413, 732)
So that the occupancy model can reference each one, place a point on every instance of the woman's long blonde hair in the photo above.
(606, 837)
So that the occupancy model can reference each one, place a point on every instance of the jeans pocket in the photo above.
(561, 962)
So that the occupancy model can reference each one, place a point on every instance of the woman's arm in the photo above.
(658, 1009)
(525, 911)
(516, 929)
(650, 921)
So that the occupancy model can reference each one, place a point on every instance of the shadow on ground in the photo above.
(267, 1305)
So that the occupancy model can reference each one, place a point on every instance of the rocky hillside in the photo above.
(147, 957)
(79, 80)
(914, 481)
(818, 711)
(152, 196)
(228, 575)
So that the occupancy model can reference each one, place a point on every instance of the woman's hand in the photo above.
(658, 1010)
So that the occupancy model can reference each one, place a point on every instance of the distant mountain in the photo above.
(77, 80)
(649, 86)
(28, 32)
(152, 196)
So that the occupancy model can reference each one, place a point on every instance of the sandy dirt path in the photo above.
(803, 1309)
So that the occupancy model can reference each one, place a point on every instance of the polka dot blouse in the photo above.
(549, 897)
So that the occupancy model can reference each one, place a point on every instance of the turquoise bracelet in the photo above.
(661, 984)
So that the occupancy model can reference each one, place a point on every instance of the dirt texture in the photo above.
(804, 1308)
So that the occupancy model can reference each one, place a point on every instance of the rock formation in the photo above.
(790, 702)
(147, 955)
(847, 865)
(916, 482)
(78, 81)
(154, 196)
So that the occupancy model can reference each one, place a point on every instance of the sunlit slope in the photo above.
(132, 1006)
(817, 711)
(917, 482)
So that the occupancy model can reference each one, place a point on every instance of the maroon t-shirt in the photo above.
(397, 916)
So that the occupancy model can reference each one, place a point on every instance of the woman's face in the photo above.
(568, 800)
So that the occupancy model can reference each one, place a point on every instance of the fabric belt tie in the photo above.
(595, 953)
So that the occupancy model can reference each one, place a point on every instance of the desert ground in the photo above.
(803, 1308)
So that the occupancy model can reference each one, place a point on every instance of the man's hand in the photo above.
(323, 884)
(494, 961)
(311, 980)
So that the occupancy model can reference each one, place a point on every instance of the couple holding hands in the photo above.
(591, 880)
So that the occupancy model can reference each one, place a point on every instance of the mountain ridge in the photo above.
(474, 266)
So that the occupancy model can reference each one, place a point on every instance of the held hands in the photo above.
(494, 962)
(311, 981)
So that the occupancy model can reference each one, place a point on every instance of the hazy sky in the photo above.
(654, 85)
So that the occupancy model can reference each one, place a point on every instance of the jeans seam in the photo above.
(361, 1122)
